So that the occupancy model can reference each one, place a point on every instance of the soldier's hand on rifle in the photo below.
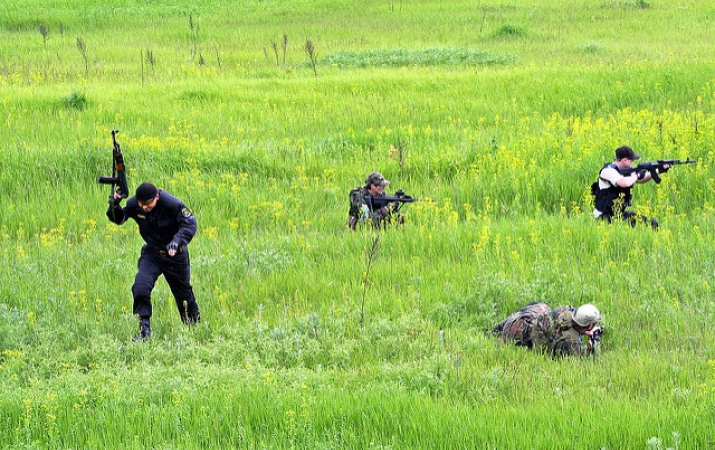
(172, 248)
(117, 198)
(594, 335)
(664, 168)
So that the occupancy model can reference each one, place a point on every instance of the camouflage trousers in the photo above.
(518, 327)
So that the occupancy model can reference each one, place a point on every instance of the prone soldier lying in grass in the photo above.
(555, 331)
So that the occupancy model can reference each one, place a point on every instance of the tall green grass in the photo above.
(497, 116)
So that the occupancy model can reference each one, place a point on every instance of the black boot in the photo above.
(144, 331)
(191, 320)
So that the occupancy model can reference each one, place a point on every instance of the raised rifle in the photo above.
(118, 180)
(654, 167)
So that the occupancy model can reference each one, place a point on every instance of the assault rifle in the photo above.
(400, 198)
(118, 180)
(654, 167)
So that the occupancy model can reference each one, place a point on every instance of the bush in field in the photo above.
(76, 100)
(419, 57)
(509, 31)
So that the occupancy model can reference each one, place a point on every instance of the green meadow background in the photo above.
(261, 116)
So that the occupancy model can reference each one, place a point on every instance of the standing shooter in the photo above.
(167, 226)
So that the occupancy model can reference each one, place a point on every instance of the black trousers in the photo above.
(177, 272)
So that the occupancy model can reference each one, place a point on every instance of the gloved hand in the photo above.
(115, 198)
(641, 174)
(172, 248)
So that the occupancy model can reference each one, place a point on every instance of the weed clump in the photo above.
(76, 100)
(422, 57)
(509, 31)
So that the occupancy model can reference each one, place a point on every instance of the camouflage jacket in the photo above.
(554, 333)
(517, 327)
(360, 211)
(538, 326)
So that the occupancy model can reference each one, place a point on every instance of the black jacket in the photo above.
(170, 220)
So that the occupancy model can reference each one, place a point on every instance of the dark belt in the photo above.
(164, 253)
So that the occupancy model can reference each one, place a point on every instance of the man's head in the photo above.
(377, 179)
(147, 194)
(586, 315)
(376, 183)
(626, 152)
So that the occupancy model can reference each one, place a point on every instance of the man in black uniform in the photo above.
(167, 227)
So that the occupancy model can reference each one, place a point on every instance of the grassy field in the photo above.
(261, 116)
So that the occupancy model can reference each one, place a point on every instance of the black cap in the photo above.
(146, 191)
(627, 152)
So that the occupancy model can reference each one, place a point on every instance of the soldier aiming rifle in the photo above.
(370, 203)
(612, 190)
(558, 332)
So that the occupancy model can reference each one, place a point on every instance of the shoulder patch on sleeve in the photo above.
(185, 212)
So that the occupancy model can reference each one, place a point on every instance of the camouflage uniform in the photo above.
(360, 211)
(554, 333)
(358, 208)
(538, 326)
(518, 327)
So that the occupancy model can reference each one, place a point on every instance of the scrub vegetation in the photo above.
(261, 116)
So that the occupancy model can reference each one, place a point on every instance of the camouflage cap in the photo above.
(377, 179)
(586, 315)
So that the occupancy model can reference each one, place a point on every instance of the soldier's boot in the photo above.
(499, 327)
(144, 331)
(191, 319)
(190, 315)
